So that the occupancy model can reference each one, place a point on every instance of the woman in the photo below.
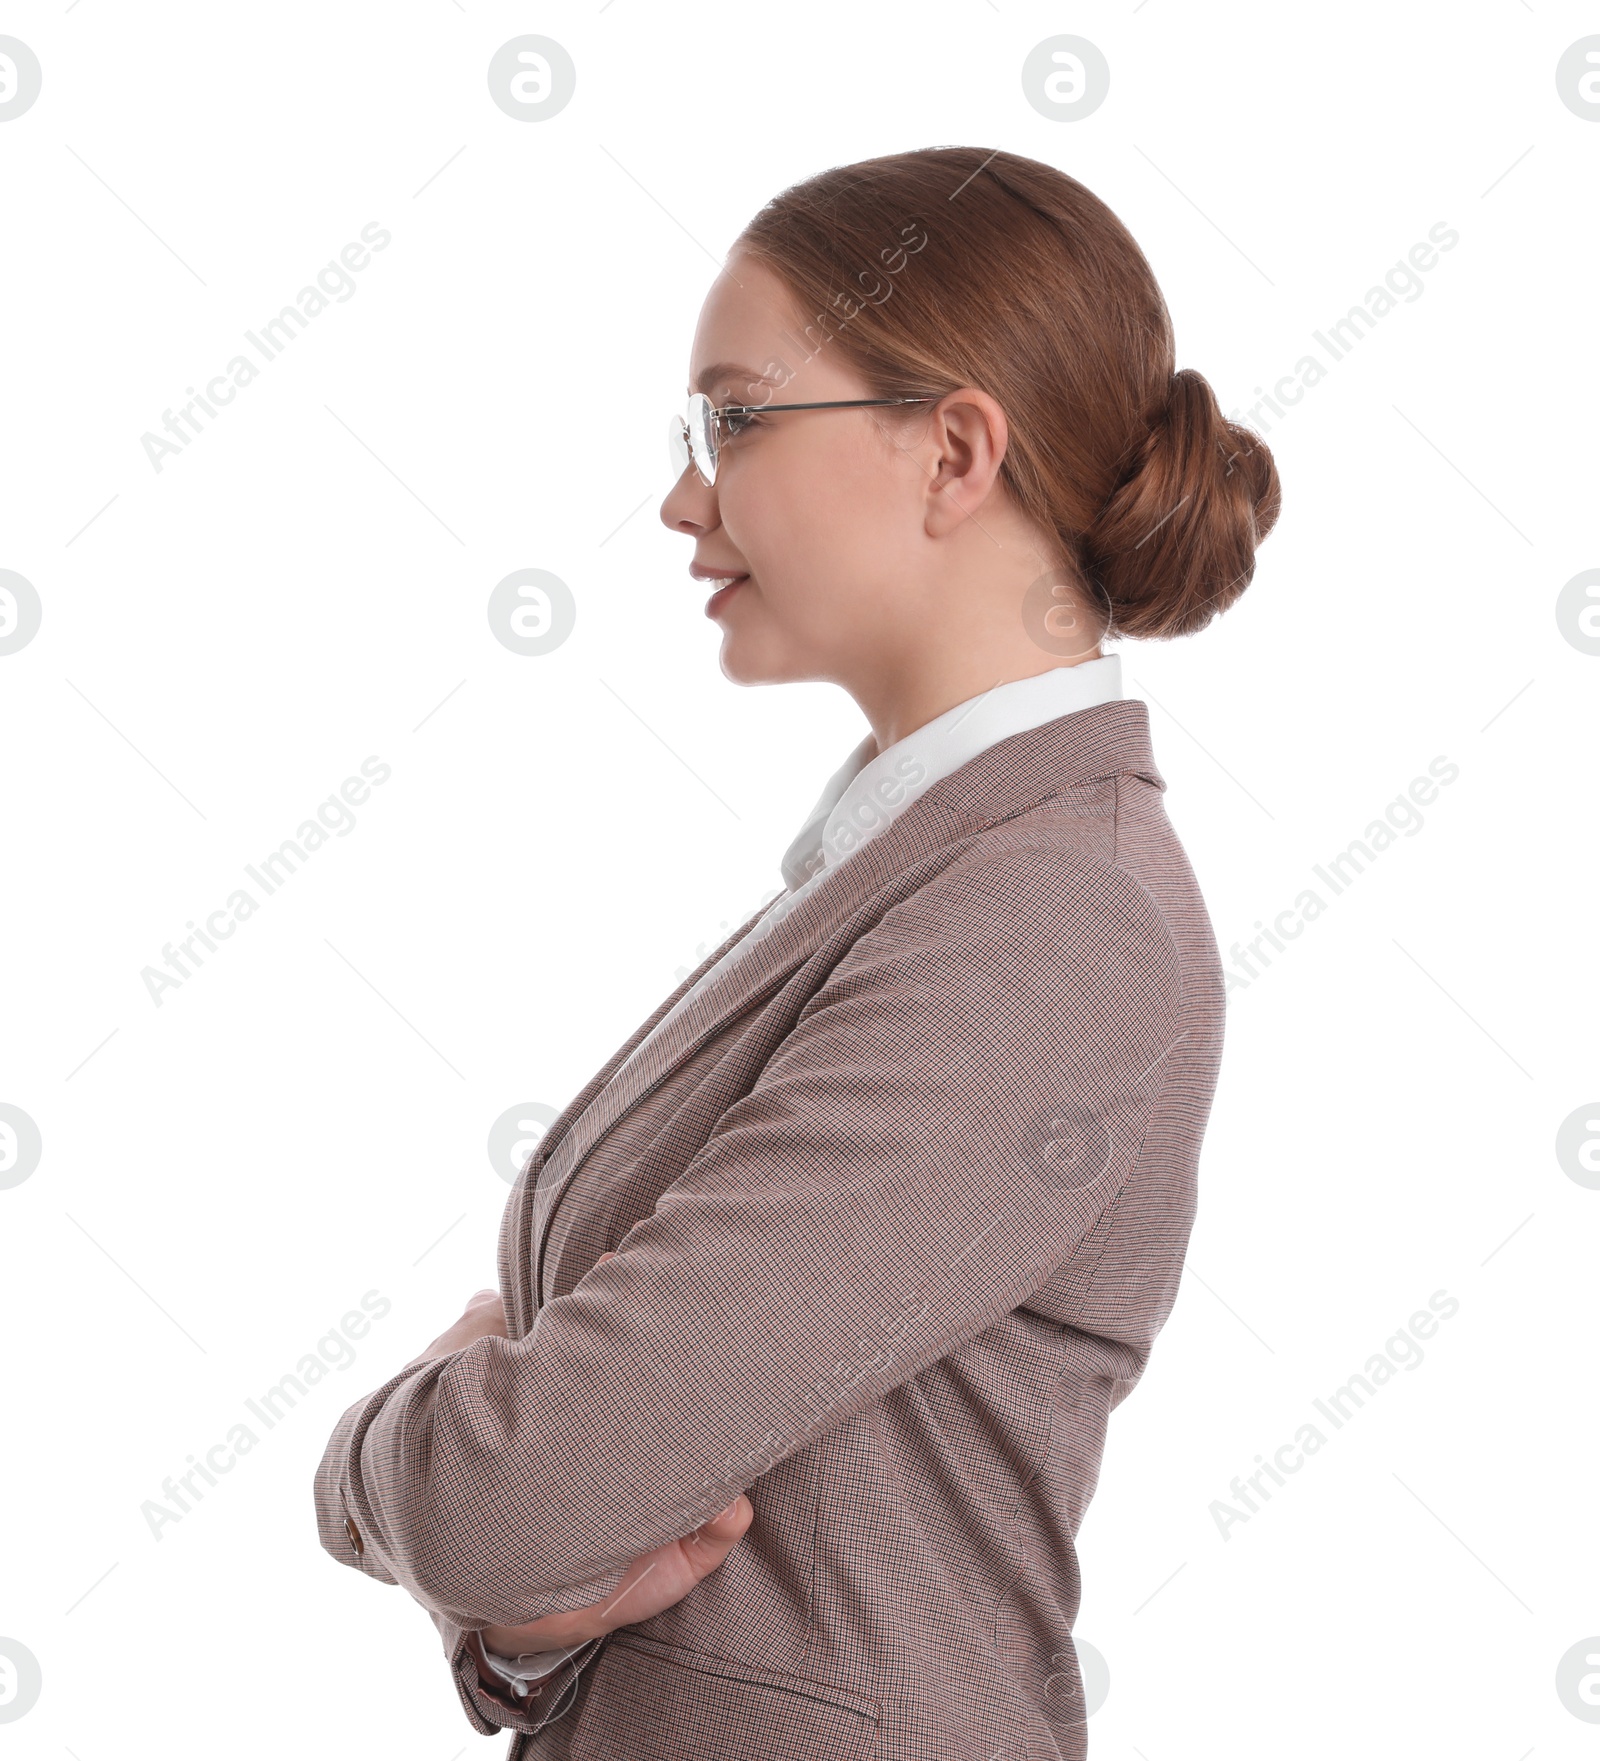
(878, 1215)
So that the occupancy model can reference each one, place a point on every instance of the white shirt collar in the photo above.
(866, 793)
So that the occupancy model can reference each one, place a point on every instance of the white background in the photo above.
(562, 837)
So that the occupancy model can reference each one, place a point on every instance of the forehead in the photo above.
(754, 337)
(747, 328)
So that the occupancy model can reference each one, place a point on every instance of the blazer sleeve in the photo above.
(946, 1127)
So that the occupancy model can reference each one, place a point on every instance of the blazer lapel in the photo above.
(781, 938)
(519, 1230)
(1005, 779)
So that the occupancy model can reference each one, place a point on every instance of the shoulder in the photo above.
(1046, 928)
(1045, 888)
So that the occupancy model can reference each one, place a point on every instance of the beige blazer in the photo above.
(899, 1203)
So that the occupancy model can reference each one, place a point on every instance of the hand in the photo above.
(483, 1315)
(654, 1581)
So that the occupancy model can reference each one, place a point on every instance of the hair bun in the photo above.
(1175, 544)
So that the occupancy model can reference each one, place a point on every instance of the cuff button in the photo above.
(355, 1535)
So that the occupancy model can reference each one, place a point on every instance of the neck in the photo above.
(898, 706)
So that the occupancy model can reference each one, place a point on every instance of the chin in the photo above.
(738, 672)
(746, 663)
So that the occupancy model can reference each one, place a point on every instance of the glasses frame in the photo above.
(718, 419)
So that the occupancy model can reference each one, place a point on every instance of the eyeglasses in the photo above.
(697, 435)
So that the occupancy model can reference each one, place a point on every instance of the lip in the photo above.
(722, 595)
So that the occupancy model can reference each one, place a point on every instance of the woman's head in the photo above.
(1065, 480)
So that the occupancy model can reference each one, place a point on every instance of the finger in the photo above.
(606, 1256)
(718, 1533)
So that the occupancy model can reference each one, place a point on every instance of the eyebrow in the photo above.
(728, 370)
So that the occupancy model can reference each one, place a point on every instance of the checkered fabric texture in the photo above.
(898, 1204)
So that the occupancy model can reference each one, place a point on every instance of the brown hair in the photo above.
(958, 266)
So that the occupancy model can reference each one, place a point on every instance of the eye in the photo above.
(737, 424)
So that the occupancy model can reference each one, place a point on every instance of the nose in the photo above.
(690, 505)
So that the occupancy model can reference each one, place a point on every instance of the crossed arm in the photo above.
(944, 1129)
(653, 1581)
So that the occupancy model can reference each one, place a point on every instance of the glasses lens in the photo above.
(703, 436)
(677, 446)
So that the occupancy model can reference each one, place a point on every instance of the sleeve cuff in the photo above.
(521, 1673)
(491, 1703)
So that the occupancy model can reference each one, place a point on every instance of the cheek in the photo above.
(812, 501)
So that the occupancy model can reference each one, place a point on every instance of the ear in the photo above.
(961, 452)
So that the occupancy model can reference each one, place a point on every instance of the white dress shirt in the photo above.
(868, 791)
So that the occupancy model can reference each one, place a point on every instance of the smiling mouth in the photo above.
(724, 586)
